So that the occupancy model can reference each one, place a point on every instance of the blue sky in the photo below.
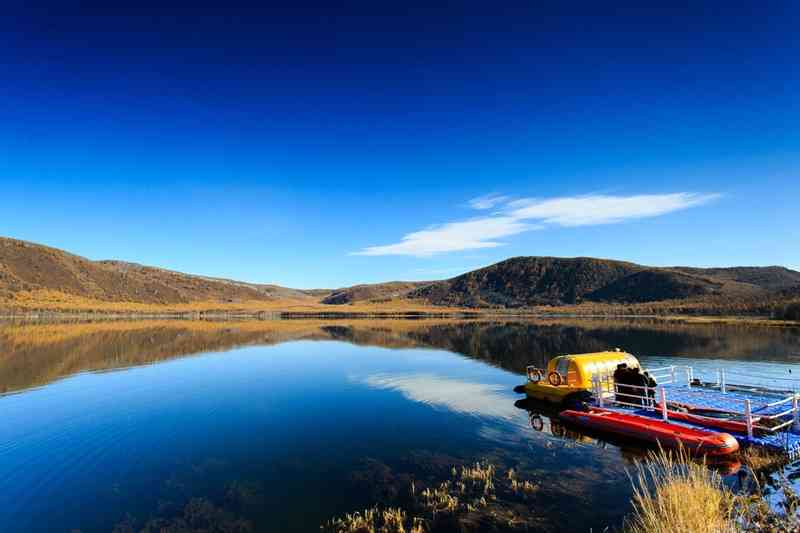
(321, 147)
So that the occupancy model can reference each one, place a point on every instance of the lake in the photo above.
(283, 425)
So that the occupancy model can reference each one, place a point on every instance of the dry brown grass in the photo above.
(45, 300)
(470, 488)
(55, 302)
(520, 485)
(760, 459)
(672, 494)
(473, 493)
(375, 520)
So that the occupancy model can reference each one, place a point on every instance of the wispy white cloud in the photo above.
(454, 236)
(601, 209)
(488, 201)
(527, 214)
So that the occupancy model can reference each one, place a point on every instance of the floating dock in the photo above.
(770, 418)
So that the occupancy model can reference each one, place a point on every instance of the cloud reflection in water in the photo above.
(457, 395)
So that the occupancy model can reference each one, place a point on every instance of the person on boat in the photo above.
(629, 381)
(651, 384)
(622, 378)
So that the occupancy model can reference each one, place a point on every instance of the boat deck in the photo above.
(787, 441)
(733, 398)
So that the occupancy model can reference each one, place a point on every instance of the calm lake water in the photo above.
(280, 426)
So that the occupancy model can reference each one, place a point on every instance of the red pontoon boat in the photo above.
(669, 435)
(710, 418)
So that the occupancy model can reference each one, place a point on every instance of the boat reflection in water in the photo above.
(543, 417)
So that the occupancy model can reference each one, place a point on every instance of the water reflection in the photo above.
(284, 431)
(34, 354)
(309, 423)
(543, 417)
(457, 395)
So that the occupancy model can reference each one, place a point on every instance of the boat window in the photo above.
(563, 367)
(572, 374)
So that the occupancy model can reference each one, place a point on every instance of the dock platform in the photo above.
(771, 416)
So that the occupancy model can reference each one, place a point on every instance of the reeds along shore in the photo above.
(673, 494)
(474, 494)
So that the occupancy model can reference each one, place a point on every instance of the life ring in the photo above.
(536, 422)
(554, 378)
(557, 429)
(535, 375)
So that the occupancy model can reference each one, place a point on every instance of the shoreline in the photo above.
(466, 314)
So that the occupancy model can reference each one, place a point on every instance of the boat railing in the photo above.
(787, 384)
(645, 398)
(793, 411)
(609, 393)
(719, 378)
(670, 374)
(662, 374)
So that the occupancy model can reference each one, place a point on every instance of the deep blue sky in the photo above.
(301, 146)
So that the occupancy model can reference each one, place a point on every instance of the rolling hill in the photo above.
(526, 281)
(530, 281)
(372, 292)
(32, 273)
(25, 266)
(551, 281)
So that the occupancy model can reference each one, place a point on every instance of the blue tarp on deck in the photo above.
(732, 401)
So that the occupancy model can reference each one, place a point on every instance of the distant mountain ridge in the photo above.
(517, 282)
(532, 281)
(375, 291)
(26, 266)
(527, 281)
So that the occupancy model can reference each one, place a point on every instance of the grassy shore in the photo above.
(58, 305)
(673, 494)
(46, 302)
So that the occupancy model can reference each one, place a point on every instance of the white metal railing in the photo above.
(608, 392)
(669, 374)
(793, 380)
(675, 374)
(726, 379)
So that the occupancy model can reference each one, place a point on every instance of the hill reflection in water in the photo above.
(35, 354)
(285, 424)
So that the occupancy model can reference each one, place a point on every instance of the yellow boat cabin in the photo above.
(567, 375)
